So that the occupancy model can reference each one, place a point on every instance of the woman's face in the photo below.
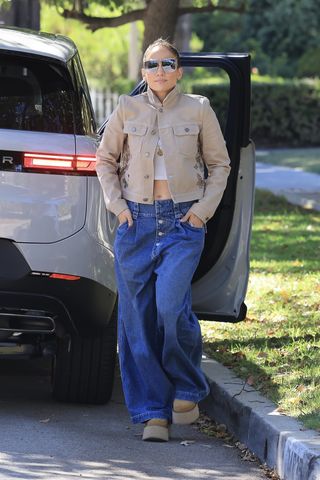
(159, 81)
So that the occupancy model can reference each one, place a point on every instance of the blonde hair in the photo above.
(161, 42)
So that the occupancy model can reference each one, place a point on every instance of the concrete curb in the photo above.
(279, 441)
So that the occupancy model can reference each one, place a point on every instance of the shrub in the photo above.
(283, 113)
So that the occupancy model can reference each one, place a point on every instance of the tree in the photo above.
(289, 26)
(159, 16)
(285, 31)
(282, 37)
(21, 13)
(104, 54)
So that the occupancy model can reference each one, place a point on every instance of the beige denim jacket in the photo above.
(190, 137)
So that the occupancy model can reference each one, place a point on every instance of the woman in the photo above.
(162, 199)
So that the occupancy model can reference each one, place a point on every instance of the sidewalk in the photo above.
(276, 439)
(298, 187)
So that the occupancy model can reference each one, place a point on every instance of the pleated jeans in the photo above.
(160, 345)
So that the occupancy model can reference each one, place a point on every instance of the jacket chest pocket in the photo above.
(136, 133)
(186, 138)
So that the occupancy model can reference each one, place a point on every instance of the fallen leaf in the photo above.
(249, 457)
(221, 428)
(285, 295)
(250, 380)
(185, 443)
(280, 410)
(46, 420)
(239, 355)
(250, 319)
(241, 446)
(262, 354)
(301, 388)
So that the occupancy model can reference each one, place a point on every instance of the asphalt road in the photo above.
(42, 439)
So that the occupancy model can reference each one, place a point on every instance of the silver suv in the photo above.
(57, 286)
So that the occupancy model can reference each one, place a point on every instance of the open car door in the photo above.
(220, 282)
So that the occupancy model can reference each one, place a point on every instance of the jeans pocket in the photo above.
(122, 226)
(192, 227)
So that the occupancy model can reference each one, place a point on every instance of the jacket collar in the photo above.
(170, 99)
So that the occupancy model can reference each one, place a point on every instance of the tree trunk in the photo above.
(183, 33)
(134, 53)
(160, 20)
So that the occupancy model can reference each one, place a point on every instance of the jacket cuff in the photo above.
(201, 212)
(118, 206)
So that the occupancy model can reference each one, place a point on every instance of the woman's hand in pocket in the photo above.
(192, 219)
(125, 216)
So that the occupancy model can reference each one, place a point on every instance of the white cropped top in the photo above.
(160, 172)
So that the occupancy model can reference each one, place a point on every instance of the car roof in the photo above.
(24, 41)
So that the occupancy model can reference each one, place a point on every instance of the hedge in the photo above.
(282, 115)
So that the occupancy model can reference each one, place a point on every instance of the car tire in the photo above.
(83, 367)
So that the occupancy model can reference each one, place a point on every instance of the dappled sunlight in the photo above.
(31, 467)
(48, 440)
(278, 345)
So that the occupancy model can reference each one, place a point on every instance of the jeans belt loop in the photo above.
(135, 210)
(177, 211)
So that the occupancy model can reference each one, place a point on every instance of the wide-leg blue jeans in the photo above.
(159, 336)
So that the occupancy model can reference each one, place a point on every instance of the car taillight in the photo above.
(57, 162)
(57, 276)
(63, 276)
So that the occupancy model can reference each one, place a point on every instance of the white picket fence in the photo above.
(103, 102)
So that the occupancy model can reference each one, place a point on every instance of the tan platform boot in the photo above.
(184, 412)
(156, 430)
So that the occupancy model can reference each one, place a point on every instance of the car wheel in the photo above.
(83, 367)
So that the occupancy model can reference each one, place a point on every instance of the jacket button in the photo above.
(147, 154)
(146, 176)
(160, 110)
(187, 129)
(153, 132)
(145, 199)
(133, 129)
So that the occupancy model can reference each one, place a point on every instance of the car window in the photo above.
(87, 115)
(35, 96)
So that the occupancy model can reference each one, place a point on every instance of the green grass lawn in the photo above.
(307, 159)
(277, 347)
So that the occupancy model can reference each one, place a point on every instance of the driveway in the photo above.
(42, 439)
